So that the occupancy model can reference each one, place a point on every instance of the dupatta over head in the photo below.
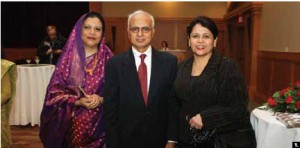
(63, 89)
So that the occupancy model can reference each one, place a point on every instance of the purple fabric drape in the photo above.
(60, 119)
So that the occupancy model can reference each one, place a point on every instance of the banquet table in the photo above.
(271, 133)
(31, 85)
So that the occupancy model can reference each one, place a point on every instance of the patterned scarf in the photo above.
(63, 89)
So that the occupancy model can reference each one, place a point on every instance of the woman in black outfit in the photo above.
(212, 92)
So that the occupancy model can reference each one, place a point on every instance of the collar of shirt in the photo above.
(148, 58)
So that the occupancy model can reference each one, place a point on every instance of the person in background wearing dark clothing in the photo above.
(164, 45)
(212, 91)
(51, 47)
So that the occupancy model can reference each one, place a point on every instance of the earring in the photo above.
(215, 42)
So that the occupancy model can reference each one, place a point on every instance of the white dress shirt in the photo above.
(147, 61)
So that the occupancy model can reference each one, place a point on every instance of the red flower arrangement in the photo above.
(286, 100)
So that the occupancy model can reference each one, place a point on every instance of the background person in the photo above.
(164, 45)
(51, 46)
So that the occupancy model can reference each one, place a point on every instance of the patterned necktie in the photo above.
(143, 77)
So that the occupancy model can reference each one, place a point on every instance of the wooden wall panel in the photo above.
(121, 37)
(221, 42)
(275, 71)
(164, 31)
(182, 41)
(221, 45)
(264, 78)
(296, 73)
(281, 75)
(14, 54)
(243, 39)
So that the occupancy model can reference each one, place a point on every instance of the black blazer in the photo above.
(219, 94)
(128, 122)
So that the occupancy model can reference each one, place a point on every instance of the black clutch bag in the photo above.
(243, 138)
(202, 138)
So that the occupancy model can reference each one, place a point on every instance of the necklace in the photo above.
(90, 71)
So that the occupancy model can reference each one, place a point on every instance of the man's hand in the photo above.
(58, 51)
(49, 51)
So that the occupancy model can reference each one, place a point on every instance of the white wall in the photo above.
(280, 27)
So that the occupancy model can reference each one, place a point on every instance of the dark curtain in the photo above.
(23, 24)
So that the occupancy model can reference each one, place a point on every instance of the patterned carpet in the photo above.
(28, 136)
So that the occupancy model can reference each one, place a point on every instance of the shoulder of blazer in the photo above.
(226, 62)
(163, 55)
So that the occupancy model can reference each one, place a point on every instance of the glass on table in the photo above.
(28, 61)
(37, 60)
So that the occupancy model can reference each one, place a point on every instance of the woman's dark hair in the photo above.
(205, 22)
(164, 42)
(93, 14)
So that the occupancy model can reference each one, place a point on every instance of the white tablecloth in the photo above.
(271, 133)
(31, 85)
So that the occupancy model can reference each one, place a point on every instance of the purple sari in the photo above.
(62, 123)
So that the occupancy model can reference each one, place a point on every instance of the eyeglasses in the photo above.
(137, 29)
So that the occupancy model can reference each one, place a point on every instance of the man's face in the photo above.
(51, 31)
(140, 31)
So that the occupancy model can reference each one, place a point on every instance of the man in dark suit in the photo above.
(140, 110)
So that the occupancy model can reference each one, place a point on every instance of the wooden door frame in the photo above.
(247, 10)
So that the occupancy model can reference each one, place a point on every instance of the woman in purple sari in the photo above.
(72, 112)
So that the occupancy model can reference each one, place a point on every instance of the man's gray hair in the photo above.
(140, 12)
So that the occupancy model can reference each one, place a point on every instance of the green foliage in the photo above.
(286, 100)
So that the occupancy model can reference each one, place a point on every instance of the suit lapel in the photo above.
(155, 73)
(131, 71)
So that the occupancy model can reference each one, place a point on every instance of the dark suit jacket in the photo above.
(128, 122)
